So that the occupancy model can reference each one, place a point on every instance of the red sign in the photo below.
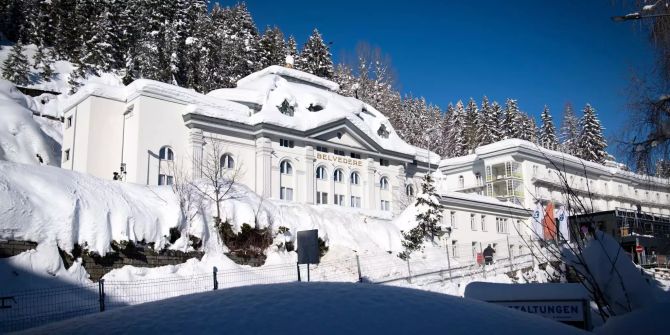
(480, 258)
(639, 249)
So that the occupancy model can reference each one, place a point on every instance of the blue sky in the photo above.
(539, 52)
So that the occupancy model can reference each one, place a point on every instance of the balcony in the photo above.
(503, 171)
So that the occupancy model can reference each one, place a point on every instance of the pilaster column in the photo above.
(263, 185)
(310, 185)
(372, 199)
(197, 141)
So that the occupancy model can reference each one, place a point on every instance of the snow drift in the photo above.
(324, 308)
(21, 137)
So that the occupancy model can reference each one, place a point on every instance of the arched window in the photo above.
(461, 182)
(285, 167)
(227, 161)
(384, 183)
(166, 153)
(355, 178)
(321, 173)
(338, 176)
(409, 190)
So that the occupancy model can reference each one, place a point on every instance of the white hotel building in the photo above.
(293, 138)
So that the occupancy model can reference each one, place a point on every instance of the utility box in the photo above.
(308, 247)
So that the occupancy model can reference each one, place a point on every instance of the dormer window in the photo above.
(286, 108)
(314, 108)
(383, 132)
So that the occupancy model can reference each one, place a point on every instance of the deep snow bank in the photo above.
(51, 204)
(21, 137)
(312, 308)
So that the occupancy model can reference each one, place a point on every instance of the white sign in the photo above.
(556, 310)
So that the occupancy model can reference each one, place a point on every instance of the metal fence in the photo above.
(22, 310)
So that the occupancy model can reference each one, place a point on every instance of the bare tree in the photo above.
(218, 176)
(190, 200)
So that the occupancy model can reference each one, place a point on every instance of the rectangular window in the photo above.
(338, 199)
(454, 249)
(286, 193)
(286, 143)
(321, 149)
(170, 180)
(321, 198)
(473, 225)
(339, 152)
(501, 225)
(355, 155)
(453, 220)
(385, 205)
(68, 122)
(165, 179)
(483, 222)
(66, 155)
(383, 162)
(355, 202)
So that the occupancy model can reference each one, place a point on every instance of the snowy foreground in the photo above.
(312, 308)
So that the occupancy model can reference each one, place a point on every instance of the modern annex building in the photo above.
(286, 134)
(535, 178)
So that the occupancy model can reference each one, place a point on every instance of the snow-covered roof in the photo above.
(314, 104)
(560, 158)
(288, 73)
(313, 100)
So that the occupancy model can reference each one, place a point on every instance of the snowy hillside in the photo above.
(22, 137)
(62, 71)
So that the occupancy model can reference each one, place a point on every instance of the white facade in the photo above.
(329, 149)
(523, 173)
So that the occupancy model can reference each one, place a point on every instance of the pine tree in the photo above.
(16, 68)
(291, 51)
(315, 57)
(663, 168)
(591, 144)
(569, 131)
(547, 135)
(472, 125)
(43, 60)
(429, 215)
(489, 122)
(272, 48)
(510, 122)
(458, 145)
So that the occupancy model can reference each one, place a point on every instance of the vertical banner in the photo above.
(562, 216)
(548, 222)
(537, 229)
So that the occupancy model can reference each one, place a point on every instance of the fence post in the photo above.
(216, 280)
(448, 261)
(484, 259)
(358, 265)
(101, 294)
(509, 254)
(297, 266)
(409, 272)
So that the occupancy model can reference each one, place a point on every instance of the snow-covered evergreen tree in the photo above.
(429, 214)
(472, 125)
(663, 168)
(16, 68)
(291, 51)
(489, 125)
(591, 143)
(315, 57)
(456, 136)
(569, 131)
(272, 48)
(547, 134)
(43, 60)
(511, 125)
